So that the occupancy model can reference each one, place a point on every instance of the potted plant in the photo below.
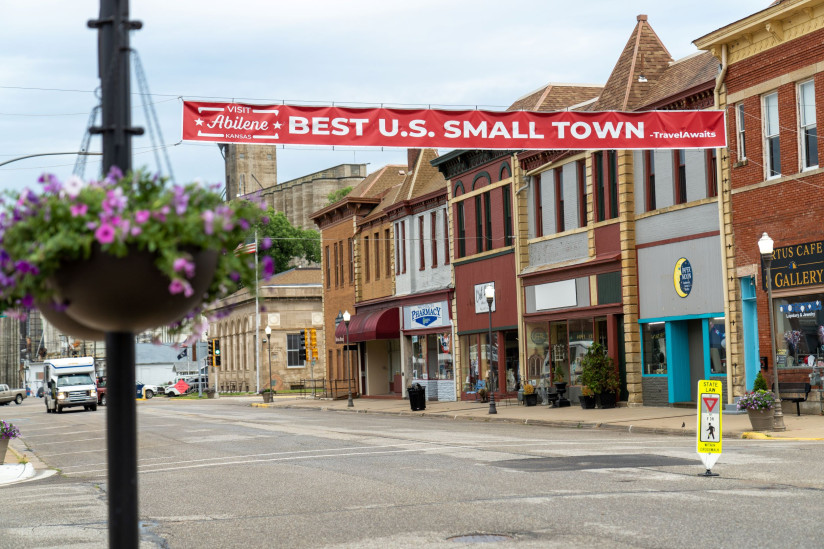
(8, 431)
(123, 254)
(598, 373)
(558, 378)
(483, 394)
(530, 396)
(587, 398)
(759, 406)
(267, 395)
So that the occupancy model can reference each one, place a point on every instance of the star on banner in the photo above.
(198, 122)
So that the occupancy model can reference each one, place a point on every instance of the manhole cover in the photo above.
(480, 538)
(607, 461)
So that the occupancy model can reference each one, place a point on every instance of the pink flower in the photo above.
(105, 233)
(141, 216)
(183, 264)
(180, 286)
(79, 209)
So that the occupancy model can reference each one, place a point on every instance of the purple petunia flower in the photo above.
(142, 216)
(266, 243)
(79, 209)
(183, 264)
(105, 233)
(208, 221)
(180, 286)
(268, 267)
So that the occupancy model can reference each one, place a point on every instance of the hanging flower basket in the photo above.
(123, 254)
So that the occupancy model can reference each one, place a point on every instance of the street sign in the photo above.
(709, 422)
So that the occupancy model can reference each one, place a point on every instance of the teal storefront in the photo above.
(681, 320)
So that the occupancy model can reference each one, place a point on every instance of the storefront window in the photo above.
(488, 356)
(655, 348)
(581, 336)
(536, 351)
(512, 375)
(799, 329)
(718, 346)
(558, 353)
(432, 357)
(469, 346)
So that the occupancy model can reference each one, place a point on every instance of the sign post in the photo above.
(709, 424)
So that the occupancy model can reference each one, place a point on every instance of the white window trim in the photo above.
(765, 137)
(801, 155)
(296, 350)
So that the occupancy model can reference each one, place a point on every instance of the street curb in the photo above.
(755, 435)
(545, 423)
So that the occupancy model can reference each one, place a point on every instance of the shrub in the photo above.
(598, 371)
(760, 383)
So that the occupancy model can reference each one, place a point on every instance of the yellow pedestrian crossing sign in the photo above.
(709, 421)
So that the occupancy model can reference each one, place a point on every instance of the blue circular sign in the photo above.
(682, 277)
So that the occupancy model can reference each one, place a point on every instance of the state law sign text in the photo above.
(466, 129)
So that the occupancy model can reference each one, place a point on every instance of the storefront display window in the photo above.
(581, 336)
(537, 350)
(718, 346)
(558, 352)
(655, 348)
(432, 357)
(511, 346)
(469, 344)
(799, 329)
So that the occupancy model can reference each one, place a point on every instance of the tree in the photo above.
(285, 240)
(334, 196)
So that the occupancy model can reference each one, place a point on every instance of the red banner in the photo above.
(423, 128)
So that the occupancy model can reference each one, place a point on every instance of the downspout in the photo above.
(724, 197)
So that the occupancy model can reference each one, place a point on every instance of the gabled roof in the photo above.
(390, 196)
(298, 275)
(640, 65)
(683, 76)
(556, 97)
(379, 181)
(424, 177)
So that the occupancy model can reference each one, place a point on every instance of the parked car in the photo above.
(148, 390)
(8, 395)
(101, 391)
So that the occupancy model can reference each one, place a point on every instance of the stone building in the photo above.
(289, 302)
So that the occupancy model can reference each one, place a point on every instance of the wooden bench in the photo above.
(794, 390)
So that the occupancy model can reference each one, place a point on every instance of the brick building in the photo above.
(338, 224)
(771, 90)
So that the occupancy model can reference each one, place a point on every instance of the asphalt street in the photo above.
(220, 473)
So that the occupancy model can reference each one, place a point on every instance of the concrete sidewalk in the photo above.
(13, 470)
(660, 420)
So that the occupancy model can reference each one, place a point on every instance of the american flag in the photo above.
(246, 248)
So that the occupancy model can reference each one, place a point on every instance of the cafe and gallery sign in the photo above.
(795, 266)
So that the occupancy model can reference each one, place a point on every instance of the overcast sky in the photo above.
(357, 52)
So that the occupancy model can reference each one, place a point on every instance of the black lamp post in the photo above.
(346, 318)
(489, 292)
(268, 331)
(765, 246)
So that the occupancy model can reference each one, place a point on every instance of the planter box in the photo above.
(761, 420)
(267, 397)
(606, 400)
(587, 402)
(531, 400)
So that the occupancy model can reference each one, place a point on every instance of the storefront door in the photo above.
(678, 358)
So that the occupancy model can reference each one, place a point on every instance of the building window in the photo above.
(772, 146)
(397, 249)
(328, 269)
(366, 256)
(581, 172)
(351, 262)
(479, 226)
(335, 248)
(433, 237)
(445, 236)
(559, 200)
(508, 238)
(806, 117)
(649, 180)
(711, 160)
(377, 239)
(539, 209)
(605, 171)
(679, 175)
(388, 251)
(403, 247)
(461, 231)
(293, 351)
(340, 265)
(488, 219)
(422, 259)
(741, 137)
(654, 336)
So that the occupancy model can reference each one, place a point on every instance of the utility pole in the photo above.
(113, 28)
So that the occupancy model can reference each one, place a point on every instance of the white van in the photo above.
(70, 382)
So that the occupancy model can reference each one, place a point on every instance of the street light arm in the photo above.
(79, 153)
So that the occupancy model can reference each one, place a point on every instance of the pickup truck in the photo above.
(11, 395)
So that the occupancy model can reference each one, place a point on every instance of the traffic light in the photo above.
(216, 343)
(302, 349)
(210, 359)
(313, 339)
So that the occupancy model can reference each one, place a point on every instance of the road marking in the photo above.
(73, 441)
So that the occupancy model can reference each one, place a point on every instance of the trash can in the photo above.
(417, 397)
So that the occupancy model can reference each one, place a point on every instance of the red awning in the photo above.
(384, 324)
